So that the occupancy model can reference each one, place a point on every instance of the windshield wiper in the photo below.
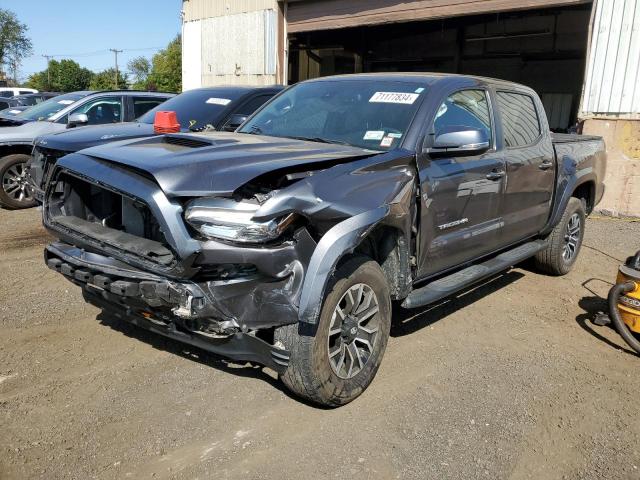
(319, 140)
(255, 130)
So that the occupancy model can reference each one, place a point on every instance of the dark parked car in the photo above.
(286, 242)
(57, 114)
(215, 108)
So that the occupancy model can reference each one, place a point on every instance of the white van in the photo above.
(8, 92)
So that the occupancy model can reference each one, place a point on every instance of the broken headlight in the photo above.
(227, 219)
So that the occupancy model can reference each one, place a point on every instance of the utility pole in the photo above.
(48, 57)
(116, 52)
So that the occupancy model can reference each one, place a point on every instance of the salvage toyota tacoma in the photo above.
(286, 242)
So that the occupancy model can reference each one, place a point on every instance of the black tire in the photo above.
(312, 374)
(15, 189)
(554, 259)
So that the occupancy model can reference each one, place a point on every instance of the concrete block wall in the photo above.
(622, 181)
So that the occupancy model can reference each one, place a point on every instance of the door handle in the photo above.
(495, 175)
(545, 165)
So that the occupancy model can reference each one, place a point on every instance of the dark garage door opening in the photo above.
(543, 48)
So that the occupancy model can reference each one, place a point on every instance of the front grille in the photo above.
(107, 217)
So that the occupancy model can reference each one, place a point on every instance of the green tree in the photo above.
(14, 43)
(61, 76)
(166, 70)
(105, 80)
(140, 68)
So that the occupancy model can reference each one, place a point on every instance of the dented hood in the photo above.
(215, 163)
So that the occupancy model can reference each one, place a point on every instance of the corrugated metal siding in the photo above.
(237, 44)
(200, 9)
(613, 72)
(328, 14)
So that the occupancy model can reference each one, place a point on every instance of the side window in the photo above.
(142, 105)
(467, 108)
(520, 121)
(252, 105)
(102, 110)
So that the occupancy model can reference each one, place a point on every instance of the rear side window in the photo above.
(142, 105)
(520, 121)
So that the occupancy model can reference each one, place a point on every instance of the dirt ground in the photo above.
(509, 380)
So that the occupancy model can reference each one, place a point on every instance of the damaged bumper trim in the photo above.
(196, 314)
(240, 347)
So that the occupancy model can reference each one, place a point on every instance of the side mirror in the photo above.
(76, 119)
(458, 139)
(234, 122)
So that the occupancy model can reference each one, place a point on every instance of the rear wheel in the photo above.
(16, 191)
(564, 241)
(336, 363)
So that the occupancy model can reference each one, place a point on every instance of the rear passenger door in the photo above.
(460, 195)
(530, 165)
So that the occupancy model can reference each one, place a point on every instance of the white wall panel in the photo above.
(240, 44)
(613, 69)
(191, 55)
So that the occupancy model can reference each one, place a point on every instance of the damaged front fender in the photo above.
(340, 240)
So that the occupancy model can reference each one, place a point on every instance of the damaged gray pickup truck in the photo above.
(286, 243)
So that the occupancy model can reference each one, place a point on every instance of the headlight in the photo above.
(230, 220)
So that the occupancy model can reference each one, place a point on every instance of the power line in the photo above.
(99, 52)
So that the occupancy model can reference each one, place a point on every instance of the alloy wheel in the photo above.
(571, 238)
(353, 331)
(16, 184)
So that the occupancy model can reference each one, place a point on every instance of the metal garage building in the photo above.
(581, 56)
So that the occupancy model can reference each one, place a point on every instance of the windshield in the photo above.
(195, 109)
(50, 107)
(366, 113)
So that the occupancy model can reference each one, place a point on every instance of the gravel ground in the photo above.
(509, 380)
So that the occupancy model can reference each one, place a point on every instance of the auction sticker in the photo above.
(394, 97)
(218, 101)
(373, 135)
(387, 141)
(65, 102)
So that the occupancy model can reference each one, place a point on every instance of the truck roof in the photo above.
(430, 78)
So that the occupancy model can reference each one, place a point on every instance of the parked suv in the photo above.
(286, 242)
(66, 111)
(212, 108)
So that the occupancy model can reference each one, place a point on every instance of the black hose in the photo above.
(614, 314)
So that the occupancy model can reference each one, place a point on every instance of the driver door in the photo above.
(461, 194)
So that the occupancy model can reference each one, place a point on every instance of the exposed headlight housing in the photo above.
(227, 219)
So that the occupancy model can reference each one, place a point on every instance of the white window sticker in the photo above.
(14, 111)
(419, 90)
(373, 135)
(65, 102)
(394, 97)
(218, 101)
(387, 141)
(395, 135)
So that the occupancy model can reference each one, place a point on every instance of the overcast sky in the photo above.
(84, 30)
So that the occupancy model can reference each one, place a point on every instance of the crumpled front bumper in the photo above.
(179, 309)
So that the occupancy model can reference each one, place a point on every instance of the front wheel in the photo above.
(16, 191)
(564, 241)
(336, 363)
